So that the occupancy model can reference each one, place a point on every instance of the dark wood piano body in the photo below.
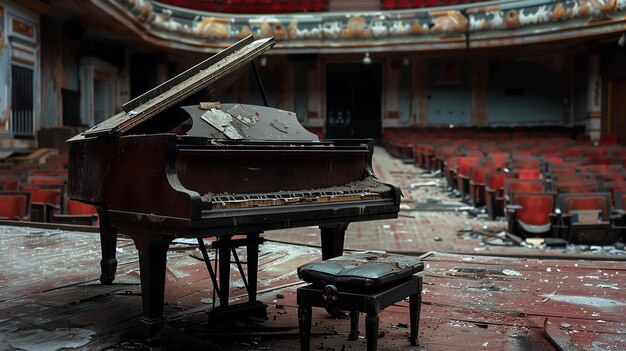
(157, 187)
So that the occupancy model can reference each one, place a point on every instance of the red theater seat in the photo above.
(529, 173)
(47, 180)
(477, 184)
(614, 188)
(585, 218)
(611, 177)
(463, 166)
(494, 193)
(44, 203)
(525, 163)
(512, 185)
(15, 205)
(9, 184)
(585, 202)
(530, 214)
(576, 186)
(78, 213)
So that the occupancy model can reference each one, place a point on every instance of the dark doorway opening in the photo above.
(353, 101)
(143, 74)
(71, 107)
(22, 103)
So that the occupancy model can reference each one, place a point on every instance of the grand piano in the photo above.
(236, 169)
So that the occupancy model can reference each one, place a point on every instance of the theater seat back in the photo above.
(49, 196)
(495, 181)
(79, 208)
(14, 206)
(520, 185)
(592, 201)
(535, 207)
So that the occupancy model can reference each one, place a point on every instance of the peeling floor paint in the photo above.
(49, 340)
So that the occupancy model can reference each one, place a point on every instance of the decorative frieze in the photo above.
(445, 29)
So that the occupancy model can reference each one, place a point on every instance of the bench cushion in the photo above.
(357, 271)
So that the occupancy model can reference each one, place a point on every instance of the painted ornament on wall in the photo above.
(2, 39)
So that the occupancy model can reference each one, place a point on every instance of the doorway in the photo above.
(22, 104)
(353, 101)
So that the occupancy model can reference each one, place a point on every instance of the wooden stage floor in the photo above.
(50, 299)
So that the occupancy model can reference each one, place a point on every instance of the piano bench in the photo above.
(360, 282)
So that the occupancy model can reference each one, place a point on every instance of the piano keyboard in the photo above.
(366, 189)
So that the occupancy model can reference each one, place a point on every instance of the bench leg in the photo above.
(415, 303)
(354, 325)
(304, 325)
(371, 331)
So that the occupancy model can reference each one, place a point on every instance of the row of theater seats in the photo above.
(37, 192)
(409, 4)
(548, 187)
(252, 6)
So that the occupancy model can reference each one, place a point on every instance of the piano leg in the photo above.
(332, 239)
(108, 243)
(152, 249)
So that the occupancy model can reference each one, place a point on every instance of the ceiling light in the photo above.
(366, 59)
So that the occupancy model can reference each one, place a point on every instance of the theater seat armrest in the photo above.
(513, 208)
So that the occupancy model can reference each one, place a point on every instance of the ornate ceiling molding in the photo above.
(419, 29)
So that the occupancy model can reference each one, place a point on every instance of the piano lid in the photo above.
(223, 67)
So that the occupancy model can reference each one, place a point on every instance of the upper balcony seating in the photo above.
(410, 4)
(252, 6)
